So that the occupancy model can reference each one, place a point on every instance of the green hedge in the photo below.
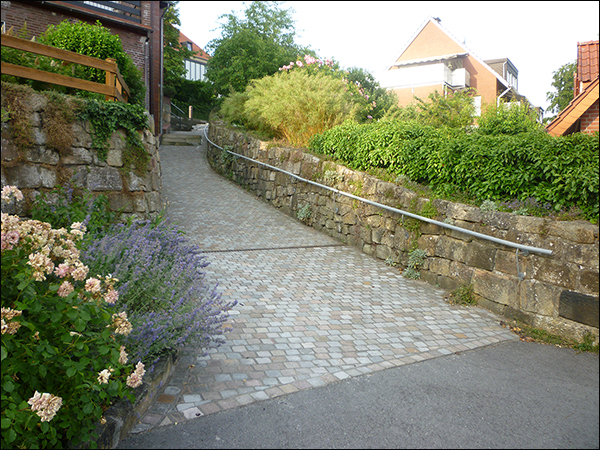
(562, 171)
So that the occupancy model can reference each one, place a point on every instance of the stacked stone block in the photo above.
(41, 169)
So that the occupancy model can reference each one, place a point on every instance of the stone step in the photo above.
(181, 139)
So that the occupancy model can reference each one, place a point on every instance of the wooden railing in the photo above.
(115, 87)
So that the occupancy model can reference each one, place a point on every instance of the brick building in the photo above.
(137, 23)
(581, 114)
(434, 60)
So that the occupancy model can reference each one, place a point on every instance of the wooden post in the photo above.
(110, 79)
(191, 108)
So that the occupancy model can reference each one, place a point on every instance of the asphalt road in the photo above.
(508, 395)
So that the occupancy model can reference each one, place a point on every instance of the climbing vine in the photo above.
(108, 117)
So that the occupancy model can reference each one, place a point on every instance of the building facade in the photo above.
(434, 60)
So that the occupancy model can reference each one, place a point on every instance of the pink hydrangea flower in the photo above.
(65, 289)
(92, 285)
(45, 405)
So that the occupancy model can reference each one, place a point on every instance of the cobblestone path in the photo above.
(311, 311)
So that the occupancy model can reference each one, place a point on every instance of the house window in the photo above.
(512, 80)
(194, 70)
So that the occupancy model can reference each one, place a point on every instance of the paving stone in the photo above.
(310, 311)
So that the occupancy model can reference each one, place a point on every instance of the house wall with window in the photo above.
(196, 65)
(457, 68)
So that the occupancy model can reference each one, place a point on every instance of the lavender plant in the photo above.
(161, 287)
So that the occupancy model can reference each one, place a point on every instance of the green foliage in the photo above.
(252, 47)
(563, 84)
(561, 171)
(304, 213)
(453, 110)
(489, 205)
(463, 296)
(61, 340)
(295, 106)
(174, 54)
(587, 344)
(98, 42)
(201, 95)
(416, 259)
(62, 206)
(108, 117)
(508, 118)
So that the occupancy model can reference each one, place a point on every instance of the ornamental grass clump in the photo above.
(161, 287)
(63, 359)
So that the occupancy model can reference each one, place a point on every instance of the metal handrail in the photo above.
(177, 108)
(524, 248)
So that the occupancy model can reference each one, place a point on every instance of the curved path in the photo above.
(311, 311)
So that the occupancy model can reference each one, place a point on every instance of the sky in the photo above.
(537, 37)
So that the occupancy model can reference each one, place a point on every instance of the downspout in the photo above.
(503, 76)
(502, 95)
(162, 70)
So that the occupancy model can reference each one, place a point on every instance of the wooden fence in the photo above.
(115, 87)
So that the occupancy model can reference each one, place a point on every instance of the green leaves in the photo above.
(252, 47)
(98, 42)
(562, 171)
(297, 105)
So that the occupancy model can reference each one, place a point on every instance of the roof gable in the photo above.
(431, 40)
(199, 52)
(576, 108)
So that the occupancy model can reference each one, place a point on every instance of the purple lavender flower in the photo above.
(161, 286)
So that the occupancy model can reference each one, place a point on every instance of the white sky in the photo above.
(538, 37)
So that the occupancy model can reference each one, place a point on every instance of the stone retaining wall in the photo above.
(558, 293)
(41, 169)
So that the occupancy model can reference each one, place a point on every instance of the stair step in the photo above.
(180, 139)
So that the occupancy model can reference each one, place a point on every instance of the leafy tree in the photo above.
(373, 92)
(251, 47)
(175, 54)
(508, 118)
(199, 94)
(563, 83)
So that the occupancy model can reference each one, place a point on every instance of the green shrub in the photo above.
(464, 295)
(63, 362)
(416, 259)
(98, 42)
(560, 171)
(454, 110)
(296, 105)
(62, 206)
(508, 118)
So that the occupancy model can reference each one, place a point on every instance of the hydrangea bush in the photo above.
(63, 358)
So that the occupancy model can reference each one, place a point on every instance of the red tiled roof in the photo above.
(587, 61)
(199, 52)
